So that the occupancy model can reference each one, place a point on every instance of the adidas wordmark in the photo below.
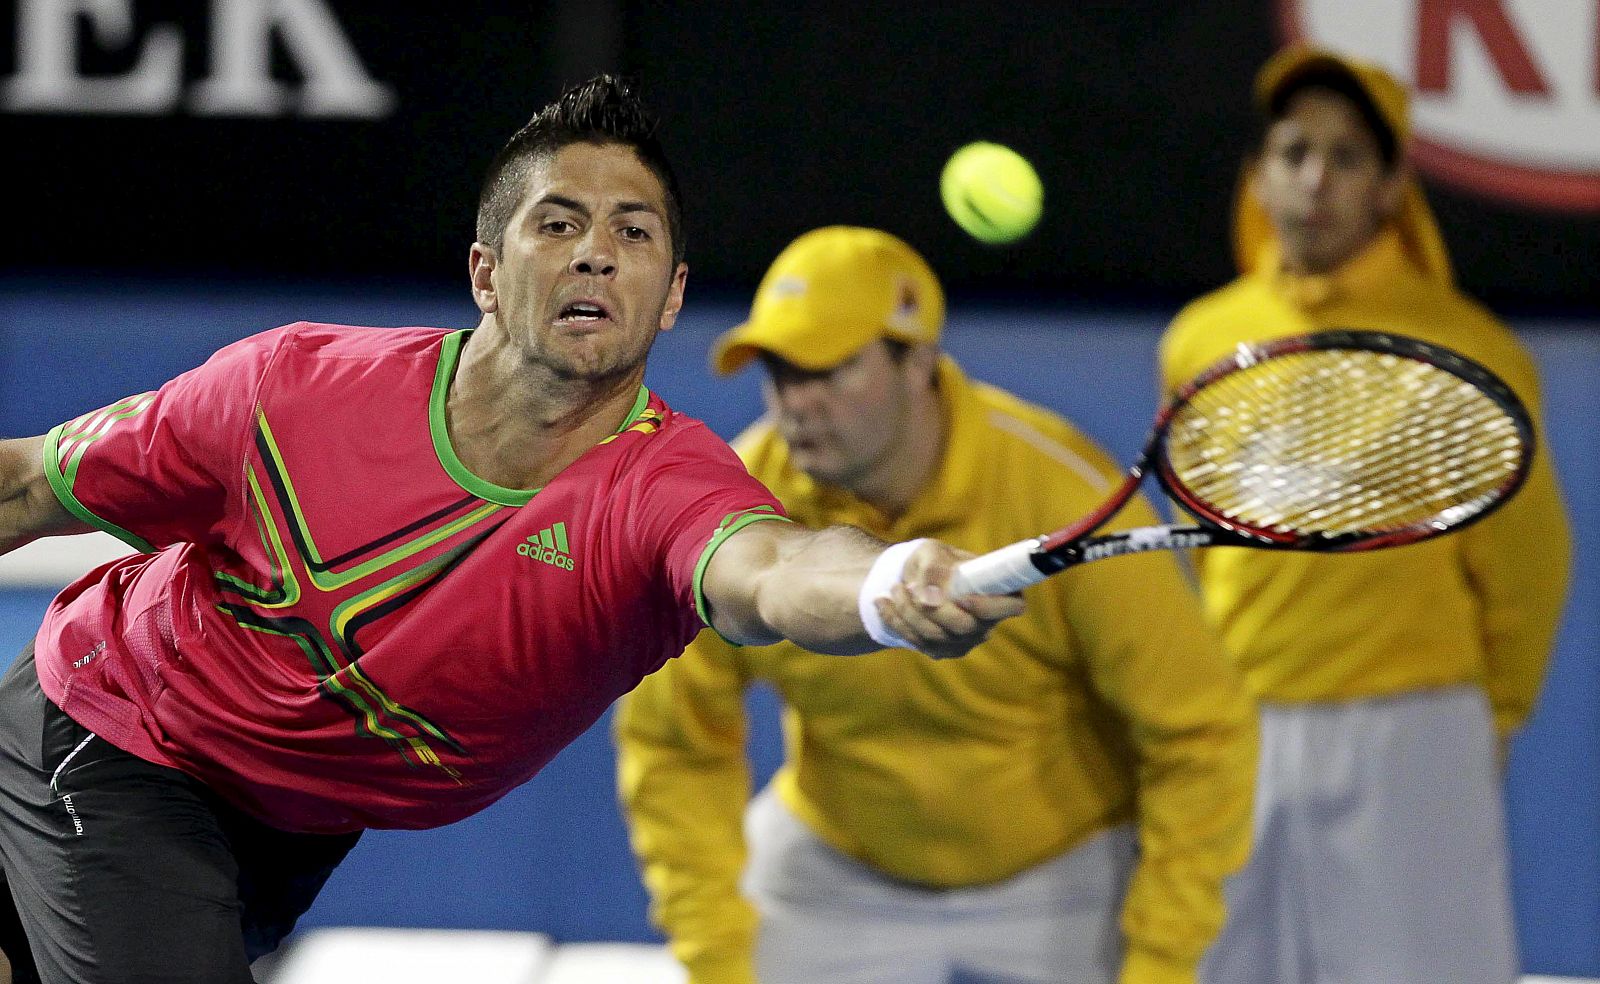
(548, 546)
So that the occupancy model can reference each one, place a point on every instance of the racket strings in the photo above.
(1411, 483)
(1353, 481)
(1343, 441)
(1409, 487)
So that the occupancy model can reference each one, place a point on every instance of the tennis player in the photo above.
(388, 573)
(1390, 682)
(1060, 805)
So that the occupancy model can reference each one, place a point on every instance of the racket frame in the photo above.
(1073, 545)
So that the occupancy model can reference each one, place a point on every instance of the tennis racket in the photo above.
(1337, 441)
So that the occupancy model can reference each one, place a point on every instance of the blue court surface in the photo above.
(552, 858)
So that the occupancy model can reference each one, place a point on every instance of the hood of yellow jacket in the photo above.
(1255, 242)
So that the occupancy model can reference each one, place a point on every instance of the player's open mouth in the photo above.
(580, 311)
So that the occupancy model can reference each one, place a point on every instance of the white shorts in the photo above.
(827, 917)
(1380, 849)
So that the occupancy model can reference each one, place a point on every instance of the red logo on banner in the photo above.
(1505, 94)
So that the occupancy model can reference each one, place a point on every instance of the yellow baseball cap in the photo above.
(1419, 230)
(1388, 96)
(831, 292)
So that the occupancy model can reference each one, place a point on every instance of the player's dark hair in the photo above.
(1341, 83)
(603, 110)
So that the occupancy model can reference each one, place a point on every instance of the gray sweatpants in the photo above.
(1380, 850)
(827, 917)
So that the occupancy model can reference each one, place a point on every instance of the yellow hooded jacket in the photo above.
(1107, 701)
(1480, 606)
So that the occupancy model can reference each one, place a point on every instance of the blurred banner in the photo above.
(1507, 93)
(329, 138)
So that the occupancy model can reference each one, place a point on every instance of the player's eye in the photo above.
(633, 233)
(557, 226)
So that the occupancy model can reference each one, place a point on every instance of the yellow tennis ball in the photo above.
(992, 192)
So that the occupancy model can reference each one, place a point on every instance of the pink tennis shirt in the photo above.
(335, 624)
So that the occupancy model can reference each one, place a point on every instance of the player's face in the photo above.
(584, 280)
(1322, 179)
(843, 424)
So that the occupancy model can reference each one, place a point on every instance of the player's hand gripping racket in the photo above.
(1335, 441)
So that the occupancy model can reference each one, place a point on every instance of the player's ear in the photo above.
(669, 312)
(481, 261)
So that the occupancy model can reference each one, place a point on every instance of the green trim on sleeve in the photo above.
(62, 487)
(731, 524)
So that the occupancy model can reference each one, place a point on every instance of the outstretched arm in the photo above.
(28, 507)
(772, 581)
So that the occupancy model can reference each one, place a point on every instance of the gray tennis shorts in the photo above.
(121, 870)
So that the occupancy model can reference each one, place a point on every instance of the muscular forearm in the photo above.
(809, 592)
(772, 581)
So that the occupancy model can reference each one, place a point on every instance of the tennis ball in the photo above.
(992, 192)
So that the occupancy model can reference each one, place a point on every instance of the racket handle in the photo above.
(1002, 571)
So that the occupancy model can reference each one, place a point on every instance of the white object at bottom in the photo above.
(612, 963)
(1380, 849)
(411, 956)
(828, 917)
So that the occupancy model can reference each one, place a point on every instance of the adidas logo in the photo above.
(548, 546)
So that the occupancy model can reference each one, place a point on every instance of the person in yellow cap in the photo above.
(1062, 804)
(1389, 682)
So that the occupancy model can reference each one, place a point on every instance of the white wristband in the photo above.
(881, 579)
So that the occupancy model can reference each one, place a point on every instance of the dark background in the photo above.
(780, 117)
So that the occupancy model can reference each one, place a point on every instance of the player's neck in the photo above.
(519, 426)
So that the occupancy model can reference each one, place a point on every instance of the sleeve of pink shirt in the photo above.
(695, 494)
(162, 467)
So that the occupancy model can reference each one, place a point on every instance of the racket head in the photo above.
(1343, 440)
